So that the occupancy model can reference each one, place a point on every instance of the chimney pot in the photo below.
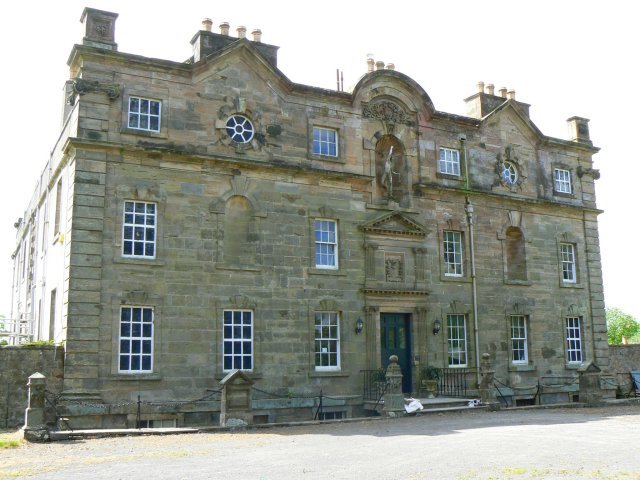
(224, 28)
(391, 66)
(480, 87)
(370, 64)
(511, 94)
(503, 92)
(379, 65)
(257, 35)
(242, 31)
(206, 24)
(490, 89)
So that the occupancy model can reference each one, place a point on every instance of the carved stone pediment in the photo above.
(387, 112)
(395, 224)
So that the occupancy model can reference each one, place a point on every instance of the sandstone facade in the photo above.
(212, 214)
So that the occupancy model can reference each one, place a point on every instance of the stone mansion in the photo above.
(209, 215)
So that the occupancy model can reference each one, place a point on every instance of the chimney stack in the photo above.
(511, 94)
(257, 35)
(503, 92)
(391, 66)
(370, 64)
(99, 29)
(490, 89)
(224, 28)
(379, 65)
(206, 24)
(242, 31)
(480, 87)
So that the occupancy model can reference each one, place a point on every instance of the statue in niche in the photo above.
(387, 175)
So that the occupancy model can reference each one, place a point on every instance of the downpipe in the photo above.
(468, 207)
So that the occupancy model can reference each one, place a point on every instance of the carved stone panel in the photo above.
(394, 267)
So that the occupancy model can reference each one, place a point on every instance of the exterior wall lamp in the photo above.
(436, 327)
(359, 326)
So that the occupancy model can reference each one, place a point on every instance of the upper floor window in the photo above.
(452, 246)
(326, 244)
(574, 340)
(240, 129)
(325, 142)
(139, 229)
(327, 341)
(449, 162)
(58, 211)
(237, 339)
(136, 339)
(509, 173)
(568, 262)
(144, 114)
(562, 180)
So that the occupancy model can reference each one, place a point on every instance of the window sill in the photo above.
(564, 195)
(251, 375)
(139, 261)
(326, 158)
(337, 373)
(452, 279)
(143, 133)
(573, 366)
(134, 377)
(326, 271)
(571, 285)
(521, 368)
(449, 176)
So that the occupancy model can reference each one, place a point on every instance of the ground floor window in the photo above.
(327, 341)
(457, 340)
(136, 339)
(574, 340)
(519, 353)
(237, 339)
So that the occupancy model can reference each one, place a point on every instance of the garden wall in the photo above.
(622, 359)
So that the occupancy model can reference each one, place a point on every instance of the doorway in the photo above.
(395, 339)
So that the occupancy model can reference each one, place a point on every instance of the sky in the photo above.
(564, 58)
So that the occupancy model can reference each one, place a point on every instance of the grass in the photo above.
(10, 439)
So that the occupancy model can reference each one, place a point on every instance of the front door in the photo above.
(395, 339)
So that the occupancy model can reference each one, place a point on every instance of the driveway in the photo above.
(582, 443)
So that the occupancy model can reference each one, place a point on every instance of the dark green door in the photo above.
(395, 339)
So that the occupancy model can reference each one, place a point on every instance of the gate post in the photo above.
(393, 399)
(35, 429)
(235, 406)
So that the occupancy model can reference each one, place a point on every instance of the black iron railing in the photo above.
(455, 382)
(374, 384)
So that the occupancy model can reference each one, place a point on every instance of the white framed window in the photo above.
(240, 129)
(327, 341)
(325, 142)
(449, 162)
(144, 114)
(139, 229)
(136, 340)
(452, 246)
(58, 211)
(237, 340)
(326, 243)
(574, 340)
(562, 180)
(519, 351)
(457, 340)
(568, 262)
(509, 173)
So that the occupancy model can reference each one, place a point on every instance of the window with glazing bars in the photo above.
(327, 341)
(562, 180)
(326, 244)
(574, 341)
(139, 230)
(144, 114)
(519, 352)
(457, 340)
(568, 260)
(136, 339)
(325, 142)
(237, 339)
(449, 162)
(452, 246)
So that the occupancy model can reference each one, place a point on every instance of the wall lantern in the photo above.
(359, 326)
(436, 327)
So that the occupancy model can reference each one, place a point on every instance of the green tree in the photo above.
(621, 324)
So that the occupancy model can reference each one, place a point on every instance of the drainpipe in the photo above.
(474, 291)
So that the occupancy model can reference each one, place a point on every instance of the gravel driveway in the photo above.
(601, 443)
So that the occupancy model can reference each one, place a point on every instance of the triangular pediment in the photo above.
(394, 224)
(511, 113)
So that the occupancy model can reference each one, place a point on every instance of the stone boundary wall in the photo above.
(622, 359)
(17, 363)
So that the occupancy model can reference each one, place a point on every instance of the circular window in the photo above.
(509, 173)
(240, 129)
